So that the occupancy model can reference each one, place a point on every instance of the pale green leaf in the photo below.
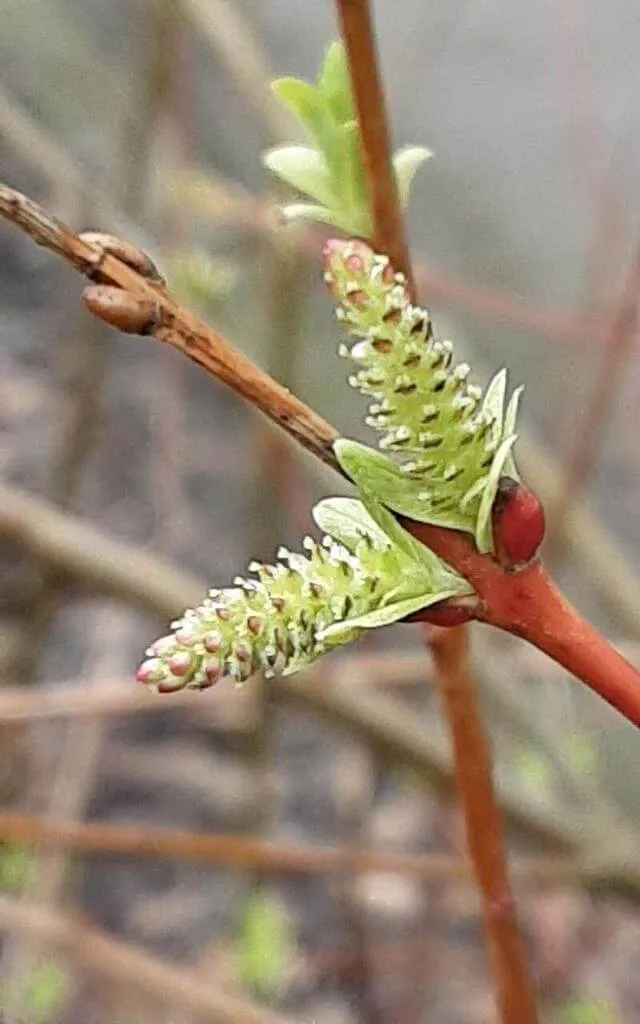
(304, 101)
(438, 571)
(509, 428)
(387, 614)
(347, 519)
(484, 530)
(406, 162)
(335, 218)
(373, 472)
(309, 105)
(335, 84)
(352, 182)
(304, 168)
(493, 402)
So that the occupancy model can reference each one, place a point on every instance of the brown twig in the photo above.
(226, 30)
(516, 996)
(583, 448)
(239, 853)
(471, 746)
(358, 33)
(528, 604)
(101, 955)
(177, 326)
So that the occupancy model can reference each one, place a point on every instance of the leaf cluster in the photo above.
(329, 170)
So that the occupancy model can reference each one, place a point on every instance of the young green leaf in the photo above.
(347, 519)
(386, 615)
(303, 168)
(305, 102)
(335, 84)
(376, 473)
(319, 214)
(354, 190)
(483, 531)
(406, 162)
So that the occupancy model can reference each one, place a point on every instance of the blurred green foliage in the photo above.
(15, 864)
(45, 992)
(265, 947)
(586, 1011)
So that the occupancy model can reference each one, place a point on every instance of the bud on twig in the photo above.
(518, 523)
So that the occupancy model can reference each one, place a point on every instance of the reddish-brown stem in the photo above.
(584, 446)
(177, 326)
(474, 778)
(359, 38)
(472, 751)
(528, 604)
(539, 613)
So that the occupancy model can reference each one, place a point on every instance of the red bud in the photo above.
(518, 523)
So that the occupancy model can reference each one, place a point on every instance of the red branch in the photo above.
(528, 604)
(484, 828)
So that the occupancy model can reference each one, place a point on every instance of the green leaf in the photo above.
(439, 571)
(304, 101)
(335, 84)
(587, 1011)
(385, 615)
(406, 162)
(335, 218)
(493, 403)
(304, 168)
(509, 428)
(484, 531)
(200, 280)
(347, 519)
(352, 183)
(377, 474)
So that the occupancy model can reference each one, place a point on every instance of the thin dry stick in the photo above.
(177, 326)
(472, 756)
(71, 787)
(376, 720)
(485, 834)
(389, 232)
(100, 955)
(241, 854)
(583, 449)
(226, 30)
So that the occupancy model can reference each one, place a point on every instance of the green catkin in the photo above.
(273, 622)
(441, 432)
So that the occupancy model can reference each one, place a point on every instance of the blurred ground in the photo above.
(132, 117)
